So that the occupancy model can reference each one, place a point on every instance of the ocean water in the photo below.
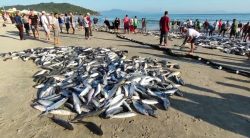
(153, 19)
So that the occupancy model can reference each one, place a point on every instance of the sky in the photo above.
(153, 6)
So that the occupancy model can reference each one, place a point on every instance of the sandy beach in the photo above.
(215, 103)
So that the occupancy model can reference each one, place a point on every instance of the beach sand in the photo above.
(215, 103)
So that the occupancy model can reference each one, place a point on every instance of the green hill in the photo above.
(54, 7)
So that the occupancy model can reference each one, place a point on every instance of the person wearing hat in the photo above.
(191, 37)
(45, 25)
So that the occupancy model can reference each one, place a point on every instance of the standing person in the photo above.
(223, 29)
(240, 25)
(80, 21)
(191, 37)
(26, 24)
(116, 24)
(131, 25)
(135, 24)
(107, 24)
(245, 29)
(49, 17)
(72, 22)
(19, 24)
(67, 22)
(197, 25)
(211, 29)
(86, 26)
(34, 24)
(95, 21)
(143, 25)
(56, 28)
(45, 25)
(220, 25)
(4, 19)
(215, 25)
(233, 28)
(61, 23)
(126, 24)
(164, 28)
(206, 25)
(90, 24)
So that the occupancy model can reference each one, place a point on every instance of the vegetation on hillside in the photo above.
(54, 7)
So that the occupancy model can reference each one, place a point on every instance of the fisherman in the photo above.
(19, 24)
(34, 24)
(191, 37)
(164, 28)
(46, 25)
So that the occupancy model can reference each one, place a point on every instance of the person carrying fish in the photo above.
(191, 37)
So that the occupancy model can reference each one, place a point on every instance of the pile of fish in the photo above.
(83, 82)
(226, 45)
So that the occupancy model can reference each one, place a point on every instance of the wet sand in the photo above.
(215, 104)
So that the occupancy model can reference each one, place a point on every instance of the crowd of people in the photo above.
(52, 23)
(130, 25)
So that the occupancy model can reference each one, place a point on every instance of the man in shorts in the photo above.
(45, 25)
(135, 24)
(72, 22)
(126, 22)
(191, 36)
(34, 23)
(56, 28)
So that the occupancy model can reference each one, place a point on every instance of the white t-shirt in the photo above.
(50, 19)
(193, 33)
(44, 20)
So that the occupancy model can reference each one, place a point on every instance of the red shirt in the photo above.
(220, 24)
(164, 24)
(88, 18)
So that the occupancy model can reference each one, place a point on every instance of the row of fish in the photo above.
(224, 44)
(83, 82)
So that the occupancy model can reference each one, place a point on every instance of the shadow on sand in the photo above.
(227, 112)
